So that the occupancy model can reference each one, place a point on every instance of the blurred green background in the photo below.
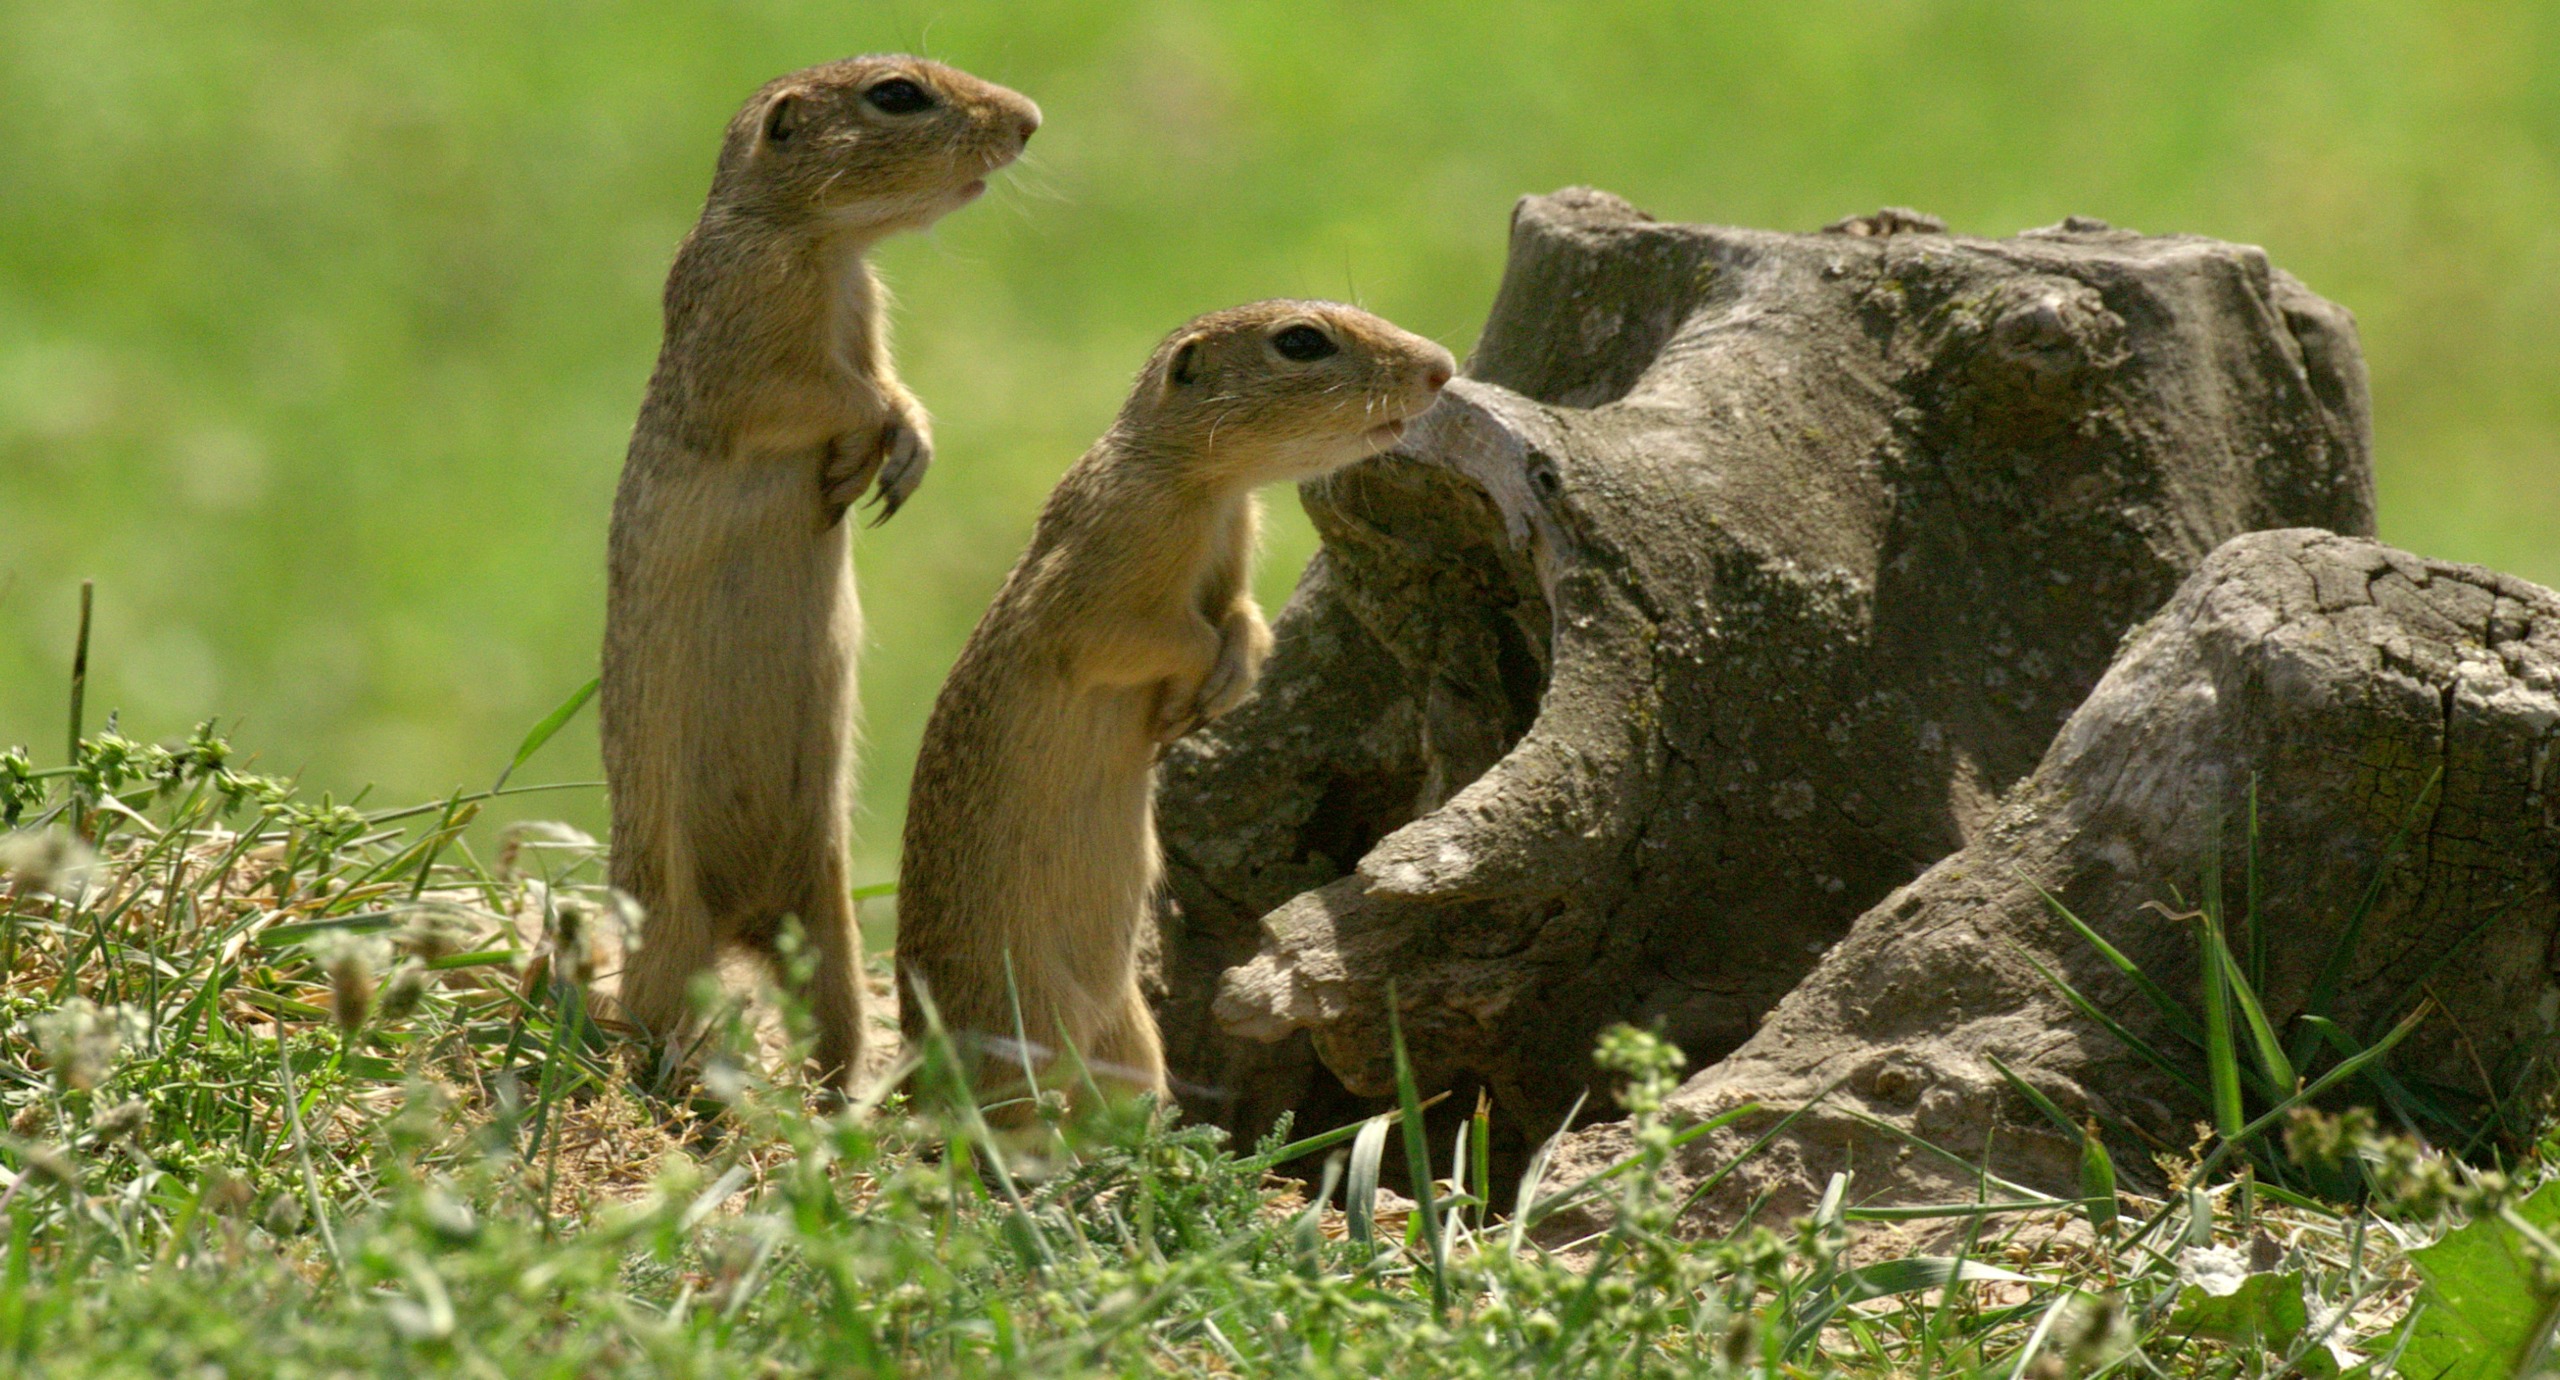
(322, 325)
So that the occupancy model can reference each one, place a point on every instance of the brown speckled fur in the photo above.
(730, 618)
(1030, 839)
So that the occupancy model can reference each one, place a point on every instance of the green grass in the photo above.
(291, 1089)
(322, 326)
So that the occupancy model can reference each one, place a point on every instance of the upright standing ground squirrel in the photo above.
(730, 618)
(1030, 852)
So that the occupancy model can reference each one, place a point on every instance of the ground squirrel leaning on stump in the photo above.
(730, 620)
(1030, 851)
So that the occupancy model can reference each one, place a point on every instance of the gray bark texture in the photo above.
(1731, 588)
(2369, 696)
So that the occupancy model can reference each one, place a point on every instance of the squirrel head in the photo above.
(870, 145)
(1284, 390)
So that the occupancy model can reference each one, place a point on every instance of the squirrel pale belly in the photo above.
(728, 706)
(1030, 854)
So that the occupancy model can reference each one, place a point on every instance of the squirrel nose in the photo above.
(1436, 377)
(1028, 122)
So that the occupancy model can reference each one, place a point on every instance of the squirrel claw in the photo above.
(1222, 691)
(845, 476)
(1171, 722)
(905, 452)
(895, 456)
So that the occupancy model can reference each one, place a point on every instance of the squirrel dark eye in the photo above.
(1304, 343)
(899, 96)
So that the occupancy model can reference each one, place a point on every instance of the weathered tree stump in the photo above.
(1729, 591)
(2367, 696)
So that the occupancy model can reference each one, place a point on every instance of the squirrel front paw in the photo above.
(906, 448)
(1174, 717)
(896, 455)
(850, 463)
(1244, 642)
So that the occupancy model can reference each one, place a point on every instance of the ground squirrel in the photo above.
(730, 618)
(1030, 852)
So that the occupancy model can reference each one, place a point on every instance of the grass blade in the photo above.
(1525, 1198)
(1360, 1192)
(541, 733)
(319, 1204)
(1949, 1157)
(2097, 1168)
(2406, 1103)
(2300, 1202)
(1417, 1154)
(2272, 1060)
(1708, 1184)
(2044, 1329)
(1306, 1233)
(2221, 1057)
(2278, 1068)
(1933, 1335)
(79, 703)
(432, 847)
(1453, 1216)
(2034, 1098)
(1458, 1163)
(1936, 1212)
(1326, 1140)
(80, 672)
(2181, 1020)
(2112, 1026)
(1907, 1275)
(2279, 1112)
(2333, 969)
(2409, 991)
(1545, 1207)
(1482, 1144)
(1828, 1210)
(2097, 1181)
(2346, 1069)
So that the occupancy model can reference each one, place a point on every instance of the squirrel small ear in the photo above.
(1184, 368)
(783, 117)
